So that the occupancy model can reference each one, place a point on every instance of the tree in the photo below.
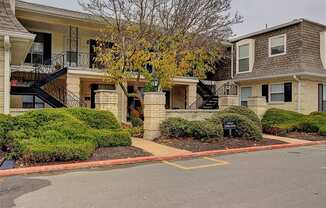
(160, 39)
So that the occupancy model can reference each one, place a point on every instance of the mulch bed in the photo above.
(108, 153)
(195, 145)
(306, 136)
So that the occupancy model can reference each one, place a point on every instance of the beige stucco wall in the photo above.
(191, 115)
(1, 78)
(308, 94)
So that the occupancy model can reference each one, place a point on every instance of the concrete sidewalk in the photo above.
(286, 139)
(157, 149)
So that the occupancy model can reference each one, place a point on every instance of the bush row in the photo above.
(281, 122)
(248, 125)
(57, 128)
(204, 130)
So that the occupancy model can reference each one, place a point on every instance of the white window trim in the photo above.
(270, 48)
(251, 43)
(270, 93)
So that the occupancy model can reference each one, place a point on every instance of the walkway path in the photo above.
(286, 139)
(156, 149)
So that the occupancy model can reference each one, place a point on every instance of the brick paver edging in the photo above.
(104, 163)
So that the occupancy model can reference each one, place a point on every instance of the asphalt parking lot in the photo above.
(288, 178)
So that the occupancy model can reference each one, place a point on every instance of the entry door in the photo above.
(322, 97)
(245, 93)
(94, 87)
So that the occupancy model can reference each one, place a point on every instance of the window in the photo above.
(277, 93)
(243, 58)
(322, 97)
(277, 45)
(245, 94)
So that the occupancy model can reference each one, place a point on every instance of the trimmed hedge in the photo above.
(56, 128)
(97, 119)
(241, 110)
(6, 124)
(205, 130)
(175, 127)
(179, 127)
(245, 128)
(36, 150)
(281, 122)
(112, 138)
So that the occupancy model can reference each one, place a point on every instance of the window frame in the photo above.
(270, 92)
(241, 94)
(248, 57)
(270, 45)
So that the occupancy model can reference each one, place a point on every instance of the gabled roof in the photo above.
(293, 22)
(8, 21)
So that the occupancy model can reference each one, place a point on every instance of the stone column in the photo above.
(73, 86)
(226, 101)
(258, 104)
(122, 103)
(154, 114)
(191, 95)
(107, 100)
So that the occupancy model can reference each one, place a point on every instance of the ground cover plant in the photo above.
(282, 122)
(60, 134)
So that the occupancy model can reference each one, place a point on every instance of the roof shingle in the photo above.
(8, 21)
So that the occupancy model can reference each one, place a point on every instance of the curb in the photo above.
(108, 163)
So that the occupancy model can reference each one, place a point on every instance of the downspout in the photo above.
(6, 87)
(299, 93)
(232, 59)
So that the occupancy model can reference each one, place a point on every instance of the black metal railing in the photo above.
(63, 95)
(228, 89)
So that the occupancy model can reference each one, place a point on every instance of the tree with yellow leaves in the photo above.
(160, 39)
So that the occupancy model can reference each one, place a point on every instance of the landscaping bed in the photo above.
(104, 153)
(194, 145)
(306, 136)
(212, 134)
(60, 135)
(310, 127)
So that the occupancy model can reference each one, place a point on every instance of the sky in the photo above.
(256, 13)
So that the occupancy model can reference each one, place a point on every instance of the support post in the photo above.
(107, 100)
(154, 114)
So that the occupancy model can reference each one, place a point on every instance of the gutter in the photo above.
(280, 76)
(299, 93)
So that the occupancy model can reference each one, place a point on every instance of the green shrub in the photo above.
(136, 131)
(112, 138)
(322, 131)
(12, 144)
(6, 124)
(245, 112)
(95, 118)
(278, 122)
(36, 150)
(136, 122)
(174, 127)
(205, 130)
(245, 128)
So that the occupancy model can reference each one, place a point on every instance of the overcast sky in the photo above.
(256, 13)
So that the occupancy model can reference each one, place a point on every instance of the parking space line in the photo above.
(182, 167)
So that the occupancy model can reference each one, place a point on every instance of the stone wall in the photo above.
(191, 115)
(107, 100)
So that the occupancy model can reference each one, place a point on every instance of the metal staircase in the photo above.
(209, 95)
(42, 83)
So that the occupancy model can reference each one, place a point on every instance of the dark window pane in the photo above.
(277, 50)
(288, 92)
(244, 65)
